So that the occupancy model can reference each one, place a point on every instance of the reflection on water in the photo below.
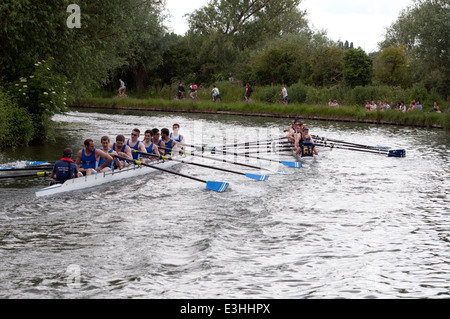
(350, 224)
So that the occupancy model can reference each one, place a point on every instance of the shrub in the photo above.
(16, 124)
(297, 93)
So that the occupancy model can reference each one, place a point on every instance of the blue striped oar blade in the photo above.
(257, 177)
(217, 186)
(37, 163)
(292, 164)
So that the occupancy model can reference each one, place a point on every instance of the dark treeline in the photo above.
(44, 63)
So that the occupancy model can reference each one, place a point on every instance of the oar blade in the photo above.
(257, 177)
(397, 153)
(291, 164)
(219, 187)
(38, 163)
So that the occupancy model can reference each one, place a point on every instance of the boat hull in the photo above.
(95, 180)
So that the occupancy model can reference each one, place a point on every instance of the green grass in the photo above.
(343, 113)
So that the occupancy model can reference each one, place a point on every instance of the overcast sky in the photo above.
(359, 21)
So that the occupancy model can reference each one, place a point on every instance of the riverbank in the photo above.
(311, 112)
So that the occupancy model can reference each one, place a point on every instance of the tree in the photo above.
(248, 22)
(391, 67)
(424, 29)
(357, 68)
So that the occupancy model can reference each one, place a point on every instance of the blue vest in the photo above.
(122, 150)
(88, 161)
(169, 145)
(102, 160)
(150, 148)
(177, 139)
(136, 148)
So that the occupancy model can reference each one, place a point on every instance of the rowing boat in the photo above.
(95, 180)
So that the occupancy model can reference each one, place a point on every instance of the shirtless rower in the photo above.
(149, 145)
(122, 150)
(159, 142)
(89, 156)
(168, 141)
(177, 136)
(135, 144)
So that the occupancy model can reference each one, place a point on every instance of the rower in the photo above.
(122, 150)
(134, 144)
(170, 142)
(306, 148)
(150, 147)
(293, 130)
(106, 147)
(159, 142)
(176, 135)
(88, 157)
(65, 168)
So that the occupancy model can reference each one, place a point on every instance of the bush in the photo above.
(16, 124)
(297, 93)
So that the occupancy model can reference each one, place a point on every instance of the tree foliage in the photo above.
(248, 22)
(357, 68)
(424, 29)
(391, 67)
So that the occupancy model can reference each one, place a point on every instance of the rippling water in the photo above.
(348, 225)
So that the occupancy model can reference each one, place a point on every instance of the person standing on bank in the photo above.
(122, 88)
(248, 92)
(65, 168)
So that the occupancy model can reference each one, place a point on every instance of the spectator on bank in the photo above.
(248, 92)
(333, 103)
(373, 106)
(412, 107)
(436, 108)
(419, 106)
(402, 107)
(368, 106)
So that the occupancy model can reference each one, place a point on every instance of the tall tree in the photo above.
(357, 68)
(424, 29)
(391, 67)
(248, 21)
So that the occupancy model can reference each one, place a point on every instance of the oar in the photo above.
(41, 162)
(390, 153)
(16, 168)
(38, 174)
(252, 143)
(213, 149)
(324, 139)
(223, 160)
(214, 186)
(251, 176)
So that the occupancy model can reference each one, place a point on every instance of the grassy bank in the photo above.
(316, 112)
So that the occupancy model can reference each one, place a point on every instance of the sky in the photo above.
(362, 22)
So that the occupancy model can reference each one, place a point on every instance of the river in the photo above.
(348, 225)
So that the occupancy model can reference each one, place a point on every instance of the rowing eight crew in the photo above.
(298, 134)
(91, 160)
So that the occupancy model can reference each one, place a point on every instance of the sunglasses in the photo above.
(134, 134)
